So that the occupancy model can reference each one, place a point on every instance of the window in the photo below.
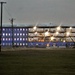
(6, 34)
(26, 29)
(23, 39)
(23, 44)
(20, 39)
(3, 34)
(26, 34)
(17, 43)
(20, 34)
(23, 34)
(14, 43)
(14, 34)
(6, 39)
(17, 39)
(9, 34)
(20, 29)
(20, 44)
(17, 34)
(3, 39)
(23, 29)
(3, 29)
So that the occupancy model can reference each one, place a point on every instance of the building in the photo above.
(42, 35)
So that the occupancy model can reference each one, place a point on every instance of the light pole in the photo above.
(12, 20)
(1, 22)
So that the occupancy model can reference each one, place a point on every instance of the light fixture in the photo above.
(34, 28)
(58, 28)
(52, 38)
(35, 33)
(67, 33)
(47, 33)
(57, 33)
(70, 28)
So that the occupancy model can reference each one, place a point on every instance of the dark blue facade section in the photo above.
(50, 44)
(20, 36)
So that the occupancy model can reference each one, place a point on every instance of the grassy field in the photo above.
(37, 62)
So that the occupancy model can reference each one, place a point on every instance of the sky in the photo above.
(41, 11)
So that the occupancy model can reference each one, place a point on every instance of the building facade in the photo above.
(38, 36)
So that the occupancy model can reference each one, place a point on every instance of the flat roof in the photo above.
(38, 25)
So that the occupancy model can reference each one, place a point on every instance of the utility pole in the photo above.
(12, 20)
(1, 22)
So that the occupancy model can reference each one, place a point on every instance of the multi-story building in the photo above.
(41, 35)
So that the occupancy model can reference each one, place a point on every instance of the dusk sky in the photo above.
(42, 11)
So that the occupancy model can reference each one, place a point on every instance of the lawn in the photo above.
(37, 62)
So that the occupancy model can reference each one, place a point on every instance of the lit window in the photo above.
(20, 39)
(23, 34)
(6, 34)
(23, 39)
(9, 34)
(26, 34)
(26, 44)
(17, 39)
(17, 34)
(3, 34)
(14, 34)
(20, 34)
(6, 39)
(20, 44)
(23, 44)
(9, 39)
(3, 29)
(3, 39)
(20, 29)
(23, 29)
(17, 43)
(14, 43)
(26, 39)
(26, 29)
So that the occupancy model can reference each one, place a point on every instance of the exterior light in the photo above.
(70, 28)
(58, 28)
(57, 33)
(64, 41)
(35, 33)
(68, 33)
(34, 28)
(47, 33)
(52, 38)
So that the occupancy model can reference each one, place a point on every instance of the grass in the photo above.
(37, 62)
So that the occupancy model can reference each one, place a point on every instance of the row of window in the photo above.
(15, 39)
(15, 34)
(15, 29)
(10, 44)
